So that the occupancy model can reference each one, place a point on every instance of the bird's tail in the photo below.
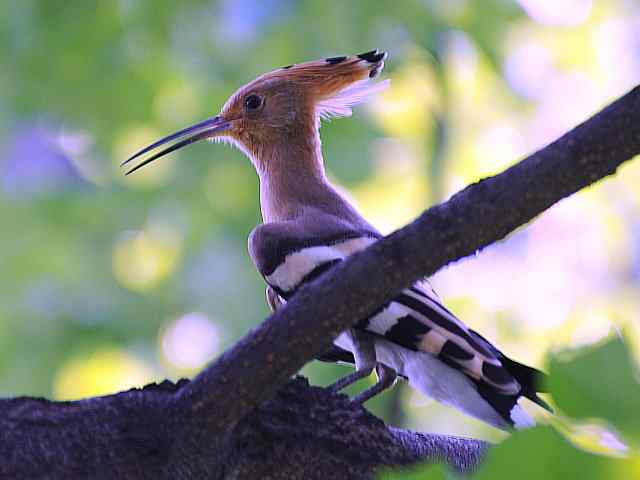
(530, 379)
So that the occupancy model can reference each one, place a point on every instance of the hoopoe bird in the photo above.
(308, 227)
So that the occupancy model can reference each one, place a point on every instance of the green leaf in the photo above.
(427, 471)
(534, 454)
(542, 453)
(598, 382)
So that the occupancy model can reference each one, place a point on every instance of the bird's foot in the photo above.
(386, 378)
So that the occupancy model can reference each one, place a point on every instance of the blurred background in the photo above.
(109, 282)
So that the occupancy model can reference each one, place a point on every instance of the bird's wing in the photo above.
(289, 256)
(417, 320)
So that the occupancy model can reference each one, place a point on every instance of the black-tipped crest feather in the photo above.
(373, 56)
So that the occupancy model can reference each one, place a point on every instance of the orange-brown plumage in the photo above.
(292, 101)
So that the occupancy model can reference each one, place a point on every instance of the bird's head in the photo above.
(283, 107)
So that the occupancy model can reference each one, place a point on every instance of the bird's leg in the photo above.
(386, 378)
(364, 352)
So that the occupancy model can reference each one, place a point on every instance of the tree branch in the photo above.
(241, 418)
(302, 432)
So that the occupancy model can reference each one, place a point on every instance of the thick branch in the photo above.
(303, 432)
(479, 215)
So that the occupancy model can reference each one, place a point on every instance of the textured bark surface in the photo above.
(242, 417)
(303, 432)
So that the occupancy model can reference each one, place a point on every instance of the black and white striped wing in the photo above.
(415, 319)
(418, 321)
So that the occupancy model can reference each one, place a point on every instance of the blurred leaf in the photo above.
(421, 472)
(598, 382)
(542, 453)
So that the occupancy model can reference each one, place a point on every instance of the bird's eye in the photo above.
(253, 102)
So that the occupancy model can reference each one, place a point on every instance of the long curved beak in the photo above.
(206, 129)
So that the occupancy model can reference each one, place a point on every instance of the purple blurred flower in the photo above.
(241, 20)
(32, 164)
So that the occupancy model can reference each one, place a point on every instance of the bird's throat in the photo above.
(289, 182)
(293, 180)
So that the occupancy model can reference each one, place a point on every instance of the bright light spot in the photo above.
(586, 327)
(462, 58)
(528, 68)
(597, 439)
(616, 44)
(610, 441)
(404, 109)
(176, 102)
(399, 179)
(150, 176)
(558, 12)
(105, 371)
(141, 259)
(497, 147)
(568, 99)
(191, 341)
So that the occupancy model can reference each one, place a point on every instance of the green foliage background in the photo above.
(108, 282)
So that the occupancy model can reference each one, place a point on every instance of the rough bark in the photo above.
(242, 417)
(302, 432)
